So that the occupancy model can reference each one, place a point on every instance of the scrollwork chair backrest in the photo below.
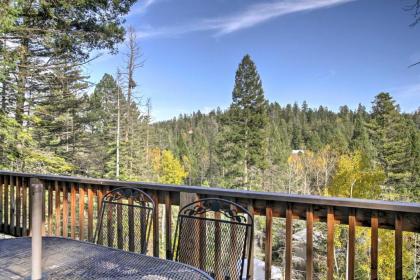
(125, 219)
(215, 235)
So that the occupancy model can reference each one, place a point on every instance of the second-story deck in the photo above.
(71, 208)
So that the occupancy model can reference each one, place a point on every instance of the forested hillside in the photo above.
(254, 144)
(365, 152)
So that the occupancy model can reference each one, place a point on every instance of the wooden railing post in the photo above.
(73, 211)
(268, 240)
(81, 211)
(25, 204)
(156, 243)
(18, 206)
(330, 243)
(1, 203)
(289, 236)
(90, 213)
(251, 242)
(6, 226)
(351, 244)
(309, 242)
(398, 247)
(168, 225)
(374, 246)
(36, 196)
(57, 209)
(12, 205)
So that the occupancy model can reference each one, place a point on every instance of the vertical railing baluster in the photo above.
(81, 212)
(65, 209)
(90, 213)
(168, 225)
(309, 242)
(156, 225)
(251, 242)
(44, 207)
(218, 269)
(18, 206)
(289, 234)
(398, 246)
(73, 211)
(374, 246)
(110, 224)
(12, 205)
(351, 245)
(50, 208)
(57, 209)
(29, 207)
(119, 226)
(6, 205)
(202, 239)
(99, 210)
(330, 243)
(1, 203)
(131, 230)
(268, 240)
(25, 192)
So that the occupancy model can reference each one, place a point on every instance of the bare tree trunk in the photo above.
(73, 133)
(3, 98)
(4, 87)
(133, 63)
(149, 108)
(117, 163)
(21, 83)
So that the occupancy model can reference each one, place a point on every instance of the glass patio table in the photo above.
(64, 258)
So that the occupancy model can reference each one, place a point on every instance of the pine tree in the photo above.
(246, 133)
(360, 139)
(103, 118)
(391, 135)
(48, 35)
(42, 46)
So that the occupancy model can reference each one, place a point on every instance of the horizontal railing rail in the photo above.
(72, 204)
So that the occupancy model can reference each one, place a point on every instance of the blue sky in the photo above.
(327, 52)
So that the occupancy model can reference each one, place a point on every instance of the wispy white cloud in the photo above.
(259, 13)
(142, 7)
(252, 15)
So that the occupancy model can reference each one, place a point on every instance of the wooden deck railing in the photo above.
(70, 210)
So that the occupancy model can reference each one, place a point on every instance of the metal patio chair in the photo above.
(215, 235)
(125, 220)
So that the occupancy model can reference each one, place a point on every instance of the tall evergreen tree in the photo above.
(360, 139)
(103, 127)
(391, 135)
(246, 134)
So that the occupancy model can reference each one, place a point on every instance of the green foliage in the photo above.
(19, 151)
(73, 28)
(41, 85)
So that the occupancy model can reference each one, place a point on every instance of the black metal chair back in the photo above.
(215, 235)
(125, 220)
